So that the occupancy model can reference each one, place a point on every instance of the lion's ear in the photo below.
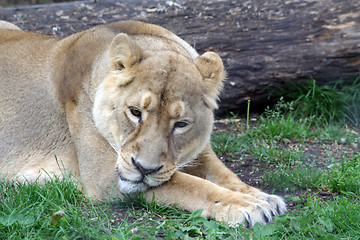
(212, 69)
(124, 51)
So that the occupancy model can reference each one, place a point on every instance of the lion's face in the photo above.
(156, 110)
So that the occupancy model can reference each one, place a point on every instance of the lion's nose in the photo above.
(145, 171)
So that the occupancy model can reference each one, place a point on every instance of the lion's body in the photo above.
(126, 103)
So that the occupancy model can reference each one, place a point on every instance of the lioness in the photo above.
(128, 103)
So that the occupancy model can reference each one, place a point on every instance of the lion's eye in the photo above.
(135, 112)
(181, 124)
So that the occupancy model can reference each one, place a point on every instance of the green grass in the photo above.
(342, 135)
(284, 128)
(260, 143)
(27, 211)
(343, 176)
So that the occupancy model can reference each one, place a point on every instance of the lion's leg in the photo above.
(213, 169)
(96, 158)
(191, 193)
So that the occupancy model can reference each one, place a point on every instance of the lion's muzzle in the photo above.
(140, 178)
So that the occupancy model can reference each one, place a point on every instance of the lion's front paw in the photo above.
(238, 208)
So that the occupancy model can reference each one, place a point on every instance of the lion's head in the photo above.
(155, 108)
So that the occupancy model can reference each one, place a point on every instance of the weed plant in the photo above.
(235, 145)
(281, 124)
(292, 178)
(343, 176)
(340, 134)
(326, 103)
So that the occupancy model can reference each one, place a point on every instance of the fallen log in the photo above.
(264, 44)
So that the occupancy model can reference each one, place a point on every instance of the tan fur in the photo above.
(127, 104)
(7, 25)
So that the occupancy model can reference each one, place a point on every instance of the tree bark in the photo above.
(264, 44)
